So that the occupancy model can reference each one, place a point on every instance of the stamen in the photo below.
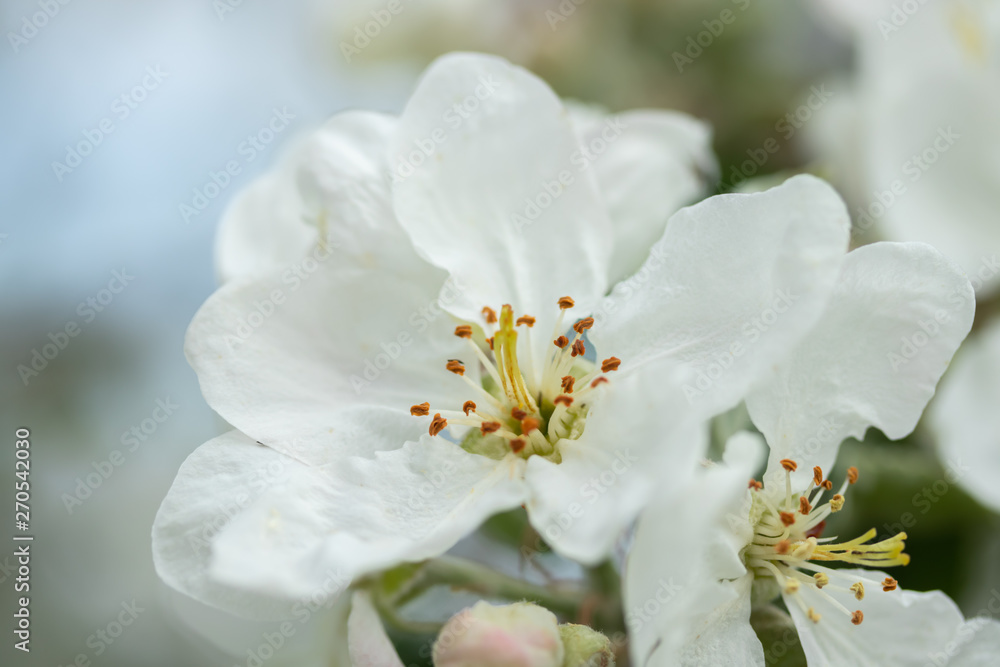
(421, 410)
(755, 485)
(578, 348)
(836, 503)
(813, 616)
(511, 371)
(889, 584)
(804, 506)
(827, 485)
(852, 475)
(857, 617)
(567, 384)
(565, 302)
(583, 325)
(821, 580)
(518, 413)
(610, 364)
(789, 465)
(489, 315)
(517, 445)
(489, 341)
(527, 320)
(561, 342)
(455, 366)
(792, 586)
(438, 424)
(490, 427)
(599, 380)
(818, 476)
(468, 406)
(564, 400)
(859, 591)
(787, 518)
(783, 547)
(463, 331)
(529, 424)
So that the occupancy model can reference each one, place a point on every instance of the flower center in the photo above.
(788, 542)
(525, 408)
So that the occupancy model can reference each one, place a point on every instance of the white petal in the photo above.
(895, 319)
(478, 171)
(263, 228)
(648, 164)
(686, 589)
(359, 515)
(369, 644)
(345, 183)
(966, 420)
(978, 644)
(733, 282)
(725, 636)
(637, 438)
(283, 358)
(215, 484)
(336, 178)
(900, 628)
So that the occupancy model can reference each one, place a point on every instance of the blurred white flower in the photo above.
(966, 420)
(913, 141)
(720, 548)
(483, 193)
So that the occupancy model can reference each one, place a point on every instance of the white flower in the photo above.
(368, 644)
(429, 225)
(719, 547)
(913, 140)
(966, 420)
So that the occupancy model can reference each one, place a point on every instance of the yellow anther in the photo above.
(837, 503)
(859, 590)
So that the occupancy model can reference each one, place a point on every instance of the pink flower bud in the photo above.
(515, 635)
